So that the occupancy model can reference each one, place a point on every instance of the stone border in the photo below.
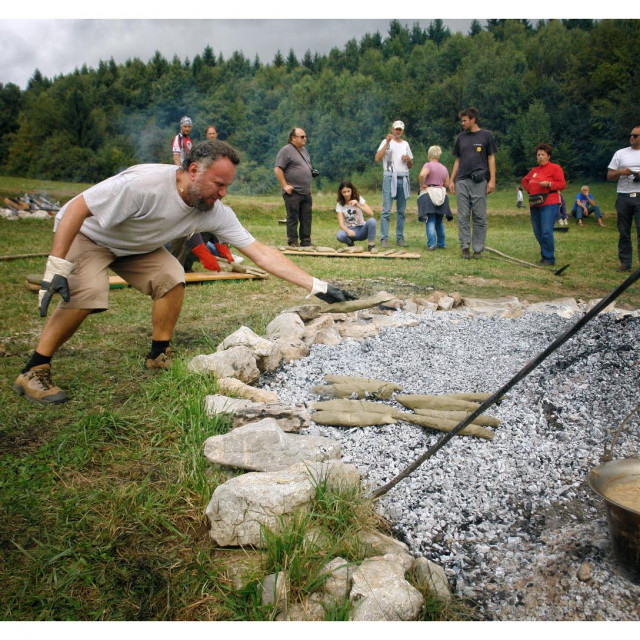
(377, 589)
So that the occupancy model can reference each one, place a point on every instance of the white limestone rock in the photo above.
(381, 544)
(275, 590)
(285, 325)
(264, 446)
(492, 306)
(284, 350)
(236, 362)
(242, 505)
(381, 592)
(245, 337)
(432, 577)
(289, 418)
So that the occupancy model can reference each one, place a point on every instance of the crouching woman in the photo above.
(351, 207)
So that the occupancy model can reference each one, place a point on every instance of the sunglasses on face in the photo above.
(635, 135)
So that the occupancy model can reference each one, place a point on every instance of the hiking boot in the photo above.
(622, 268)
(294, 243)
(384, 243)
(163, 361)
(403, 243)
(477, 255)
(465, 254)
(371, 247)
(37, 386)
(350, 243)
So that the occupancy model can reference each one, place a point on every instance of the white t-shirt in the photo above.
(139, 210)
(353, 216)
(392, 160)
(630, 158)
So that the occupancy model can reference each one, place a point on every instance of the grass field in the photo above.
(103, 497)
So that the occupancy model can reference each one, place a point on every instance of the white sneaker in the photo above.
(237, 259)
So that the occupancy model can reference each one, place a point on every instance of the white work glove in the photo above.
(54, 281)
(328, 293)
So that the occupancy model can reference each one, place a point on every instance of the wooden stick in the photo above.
(557, 272)
(24, 255)
(504, 255)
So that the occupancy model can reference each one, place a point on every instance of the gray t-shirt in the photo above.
(296, 165)
(139, 210)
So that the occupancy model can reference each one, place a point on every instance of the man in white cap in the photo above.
(182, 142)
(397, 159)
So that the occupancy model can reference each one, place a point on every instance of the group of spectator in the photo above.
(472, 179)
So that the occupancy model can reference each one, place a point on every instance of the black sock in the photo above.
(158, 347)
(35, 360)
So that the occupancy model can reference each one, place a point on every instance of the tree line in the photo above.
(571, 83)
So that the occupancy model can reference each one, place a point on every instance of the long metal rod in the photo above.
(525, 371)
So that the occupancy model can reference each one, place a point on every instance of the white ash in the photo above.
(511, 520)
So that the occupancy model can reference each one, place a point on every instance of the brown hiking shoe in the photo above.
(465, 254)
(477, 255)
(37, 386)
(163, 361)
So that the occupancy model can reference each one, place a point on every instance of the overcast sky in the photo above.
(65, 35)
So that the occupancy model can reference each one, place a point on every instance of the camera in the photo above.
(315, 173)
(636, 176)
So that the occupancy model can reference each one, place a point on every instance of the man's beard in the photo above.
(196, 200)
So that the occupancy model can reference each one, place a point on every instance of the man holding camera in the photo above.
(473, 177)
(625, 168)
(295, 172)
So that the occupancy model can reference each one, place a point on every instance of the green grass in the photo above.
(103, 498)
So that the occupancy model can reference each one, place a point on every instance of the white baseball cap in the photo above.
(398, 124)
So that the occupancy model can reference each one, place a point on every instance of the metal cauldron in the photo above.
(624, 522)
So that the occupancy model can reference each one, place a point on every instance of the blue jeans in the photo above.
(366, 230)
(578, 212)
(401, 204)
(435, 229)
(543, 220)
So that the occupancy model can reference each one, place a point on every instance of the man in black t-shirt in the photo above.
(472, 179)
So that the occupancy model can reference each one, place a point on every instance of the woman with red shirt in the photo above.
(547, 179)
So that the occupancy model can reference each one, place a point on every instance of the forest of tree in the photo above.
(571, 83)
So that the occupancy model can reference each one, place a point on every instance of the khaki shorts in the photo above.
(154, 274)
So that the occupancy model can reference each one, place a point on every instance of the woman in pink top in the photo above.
(433, 201)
